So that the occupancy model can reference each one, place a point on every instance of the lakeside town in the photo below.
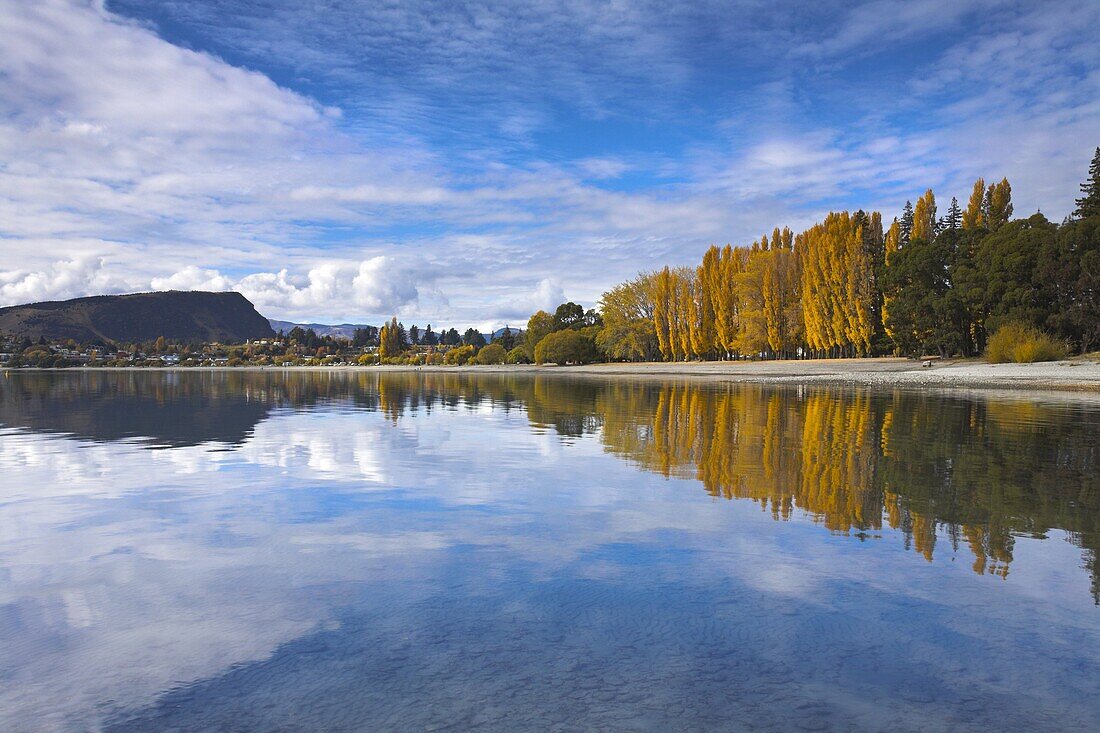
(298, 347)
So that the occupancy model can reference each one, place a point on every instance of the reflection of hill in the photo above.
(106, 406)
(974, 471)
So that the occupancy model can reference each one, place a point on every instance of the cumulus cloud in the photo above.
(60, 280)
(368, 288)
(376, 285)
(548, 295)
(192, 278)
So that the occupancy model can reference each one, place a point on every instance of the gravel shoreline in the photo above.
(1079, 374)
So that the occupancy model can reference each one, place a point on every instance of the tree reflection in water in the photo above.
(935, 466)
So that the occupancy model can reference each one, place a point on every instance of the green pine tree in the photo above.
(906, 224)
(1089, 204)
(953, 219)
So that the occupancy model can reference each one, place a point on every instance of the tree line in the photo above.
(852, 286)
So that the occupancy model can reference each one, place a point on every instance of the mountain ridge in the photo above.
(338, 330)
(136, 317)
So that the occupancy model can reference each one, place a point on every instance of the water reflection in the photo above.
(976, 471)
(361, 551)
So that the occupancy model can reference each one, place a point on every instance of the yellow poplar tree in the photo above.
(685, 311)
(702, 337)
(998, 204)
(924, 217)
(661, 312)
(724, 297)
(780, 290)
(893, 243)
(973, 217)
(752, 332)
(835, 299)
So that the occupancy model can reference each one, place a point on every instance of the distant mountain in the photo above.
(347, 330)
(500, 332)
(342, 330)
(193, 315)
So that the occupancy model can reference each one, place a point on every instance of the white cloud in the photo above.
(191, 173)
(65, 279)
(548, 295)
(169, 167)
(603, 167)
(353, 289)
(192, 278)
(376, 285)
(374, 194)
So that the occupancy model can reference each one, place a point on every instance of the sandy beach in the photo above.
(1070, 374)
(1081, 374)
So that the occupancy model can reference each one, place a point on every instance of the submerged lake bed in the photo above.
(356, 551)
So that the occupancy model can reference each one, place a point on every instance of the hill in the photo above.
(340, 330)
(517, 332)
(224, 317)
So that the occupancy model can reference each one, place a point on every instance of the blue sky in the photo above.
(467, 164)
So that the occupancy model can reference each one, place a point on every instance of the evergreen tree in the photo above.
(568, 315)
(507, 339)
(364, 336)
(429, 338)
(414, 335)
(592, 317)
(906, 225)
(953, 219)
(926, 313)
(1089, 204)
(1079, 246)
(1008, 284)
(473, 337)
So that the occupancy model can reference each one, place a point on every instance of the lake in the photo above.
(355, 551)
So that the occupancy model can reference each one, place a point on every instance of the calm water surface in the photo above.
(361, 552)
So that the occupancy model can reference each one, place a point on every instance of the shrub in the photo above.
(492, 354)
(518, 355)
(565, 347)
(1023, 344)
(459, 355)
(433, 358)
